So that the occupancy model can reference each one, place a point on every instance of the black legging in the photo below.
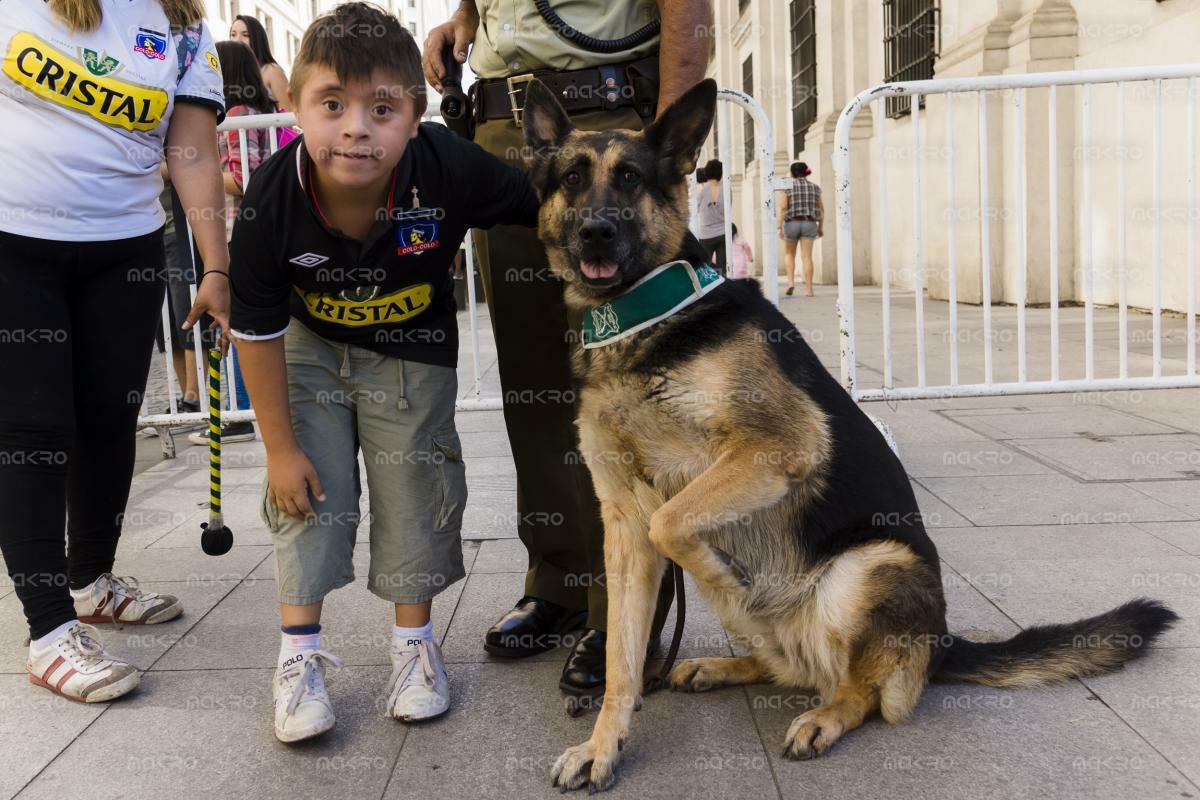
(716, 247)
(75, 341)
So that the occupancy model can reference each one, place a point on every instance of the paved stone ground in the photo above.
(1044, 508)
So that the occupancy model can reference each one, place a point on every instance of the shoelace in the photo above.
(407, 668)
(128, 585)
(305, 676)
(86, 646)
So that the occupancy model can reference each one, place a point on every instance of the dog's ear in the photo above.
(546, 126)
(679, 132)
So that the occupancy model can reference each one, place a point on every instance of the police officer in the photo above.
(613, 64)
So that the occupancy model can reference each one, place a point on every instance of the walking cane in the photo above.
(216, 539)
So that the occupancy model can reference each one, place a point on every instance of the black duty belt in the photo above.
(611, 86)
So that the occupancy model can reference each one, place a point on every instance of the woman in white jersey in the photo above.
(94, 94)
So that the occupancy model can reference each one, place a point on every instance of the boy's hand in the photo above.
(459, 32)
(290, 477)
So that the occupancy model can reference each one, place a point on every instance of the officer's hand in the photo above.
(459, 32)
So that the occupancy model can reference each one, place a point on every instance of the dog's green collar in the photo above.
(658, 295)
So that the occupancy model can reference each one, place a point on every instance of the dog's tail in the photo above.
(1056, 653)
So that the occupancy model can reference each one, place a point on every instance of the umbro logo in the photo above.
(309, 260)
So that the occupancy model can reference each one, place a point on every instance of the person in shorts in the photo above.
(801, 220)
(344, 315)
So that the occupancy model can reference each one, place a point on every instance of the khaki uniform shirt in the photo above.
(513, 38)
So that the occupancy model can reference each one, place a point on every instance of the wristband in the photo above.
(208, 272)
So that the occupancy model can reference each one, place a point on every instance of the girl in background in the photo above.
(743, 256)
(247, 30)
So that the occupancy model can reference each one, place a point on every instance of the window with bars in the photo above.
(804, 71)
(747, 120)
(910, 45)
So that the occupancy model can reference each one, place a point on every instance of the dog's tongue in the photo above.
(598, 269)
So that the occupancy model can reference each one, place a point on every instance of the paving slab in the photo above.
(970, 614)
(1119, 458)
(969, 741)
(477, 421)
(1047, 500)
(1039, 592)
(490, 514)
(240, 509)
(1049, 423)
(35, 726)
(502, 555)
(919, 422)
(208, 734)
(961, 459)
(935, 512)
(1048, 542)
(487, 444)
(1184, 535)
(1182, 495)
(680, 745)
(1160, 698)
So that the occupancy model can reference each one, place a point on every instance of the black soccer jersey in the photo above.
(392, 293)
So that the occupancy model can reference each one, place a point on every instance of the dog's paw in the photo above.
(695, 675)
(740, 572)
(811, 734)
(588, 763)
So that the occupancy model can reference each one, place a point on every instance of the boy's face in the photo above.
(355, 132)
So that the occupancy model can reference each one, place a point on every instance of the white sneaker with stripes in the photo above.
(76, 666)
(114, 599)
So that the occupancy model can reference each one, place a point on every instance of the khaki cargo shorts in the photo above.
(400, 415)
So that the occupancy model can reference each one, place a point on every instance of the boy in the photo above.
(351, 230)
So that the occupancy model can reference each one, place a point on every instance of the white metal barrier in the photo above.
(476, 401)
(1017, 84)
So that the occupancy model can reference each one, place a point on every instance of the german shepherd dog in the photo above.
(715, 438)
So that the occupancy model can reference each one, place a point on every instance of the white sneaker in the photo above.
(418, 688)
(113, 599)
(75, 666)
(302, 707)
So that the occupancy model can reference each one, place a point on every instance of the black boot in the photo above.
(584, 670)
(533, 626)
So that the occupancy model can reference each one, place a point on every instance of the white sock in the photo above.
(406, 638)
(44, 642)
(86, 591)
(291, 645)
